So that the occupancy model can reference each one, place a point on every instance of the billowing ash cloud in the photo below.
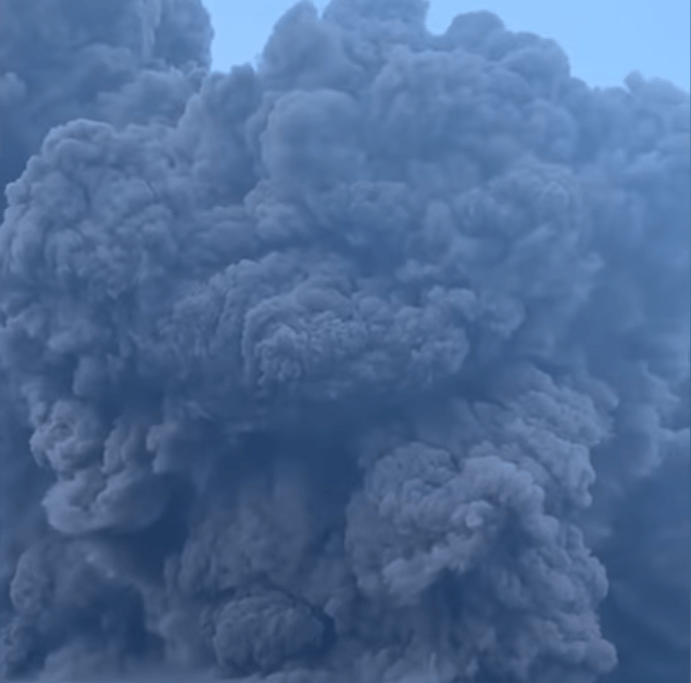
(369, 364)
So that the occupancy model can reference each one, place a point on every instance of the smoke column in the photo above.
(369, 364)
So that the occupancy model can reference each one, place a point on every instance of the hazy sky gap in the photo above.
(652, 37)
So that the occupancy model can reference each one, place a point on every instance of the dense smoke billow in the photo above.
(368, 364)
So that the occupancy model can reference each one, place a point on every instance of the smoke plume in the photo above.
(366, 364)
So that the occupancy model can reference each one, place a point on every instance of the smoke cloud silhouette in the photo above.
(370, 363)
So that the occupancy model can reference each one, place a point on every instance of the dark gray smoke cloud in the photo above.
(367, 364)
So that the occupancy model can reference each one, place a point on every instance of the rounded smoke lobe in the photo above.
(366, 364)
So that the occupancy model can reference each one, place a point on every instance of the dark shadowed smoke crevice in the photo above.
(369, 363)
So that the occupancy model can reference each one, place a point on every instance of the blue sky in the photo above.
(605, 39)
